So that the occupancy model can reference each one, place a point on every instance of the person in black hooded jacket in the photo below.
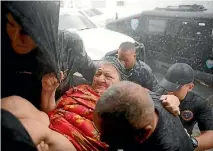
(21, 69)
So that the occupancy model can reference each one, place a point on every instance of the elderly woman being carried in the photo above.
(71, 118)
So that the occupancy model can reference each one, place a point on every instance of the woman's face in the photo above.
(21, 42)
(105, 76)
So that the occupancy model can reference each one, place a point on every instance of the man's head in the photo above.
(178, 80)
(125, 115)
(127, 54)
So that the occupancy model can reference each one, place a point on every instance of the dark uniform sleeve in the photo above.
(83, 64)
(148, 79)
(112, 53)
(161, 90)
(155, 96)
(87, 68)
(204, 115)
(153, 83)
(75, 57)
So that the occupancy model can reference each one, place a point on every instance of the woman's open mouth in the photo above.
(101, 86)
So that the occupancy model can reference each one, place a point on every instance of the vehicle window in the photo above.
(194, 30)
(98, 4)
(89, 12)
(74, 21)
(202, 31)
(92, 12)
(173, 27)
(97, 12)
(186, 30)
(61, 3)
(156, 26)
(120, 3)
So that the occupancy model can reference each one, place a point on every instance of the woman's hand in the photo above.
(171, 103)
(49, 85)
(50, 82)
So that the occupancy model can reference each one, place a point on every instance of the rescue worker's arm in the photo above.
(204, 117)
(53, 141)
(148, 80)
(170, 102)
(205, 140)
(87, 67)
(112, 53)
(74, 57)
(155, 86)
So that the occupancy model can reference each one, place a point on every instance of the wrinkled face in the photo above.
(105, 76)
(128, 58)
(182, 92)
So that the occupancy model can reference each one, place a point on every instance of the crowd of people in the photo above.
(122, 106)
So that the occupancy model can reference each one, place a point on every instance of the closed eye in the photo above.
(108, 76)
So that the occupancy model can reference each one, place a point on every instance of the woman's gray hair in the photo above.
(117, 64)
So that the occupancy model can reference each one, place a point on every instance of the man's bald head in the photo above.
(124, 107)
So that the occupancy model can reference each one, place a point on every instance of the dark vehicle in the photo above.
(174, 34)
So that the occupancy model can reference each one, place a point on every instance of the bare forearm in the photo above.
(47, 101)
(40, 132)
(205, 140)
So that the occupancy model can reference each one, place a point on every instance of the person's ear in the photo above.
(119, 51)
(143, 134)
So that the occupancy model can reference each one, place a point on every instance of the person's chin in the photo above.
(100, 90)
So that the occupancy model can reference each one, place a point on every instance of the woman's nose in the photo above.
(101, 78)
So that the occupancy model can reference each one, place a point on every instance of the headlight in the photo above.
(209, 64)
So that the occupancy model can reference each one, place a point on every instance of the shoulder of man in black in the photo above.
(143, 75)
(75, 57)
(169, 134)
(203, 112)
(111, 53)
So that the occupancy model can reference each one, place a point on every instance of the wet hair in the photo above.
(126, 46)
(126, 104)
(117, 64)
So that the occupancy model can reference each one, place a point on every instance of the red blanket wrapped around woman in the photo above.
(73, 118)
